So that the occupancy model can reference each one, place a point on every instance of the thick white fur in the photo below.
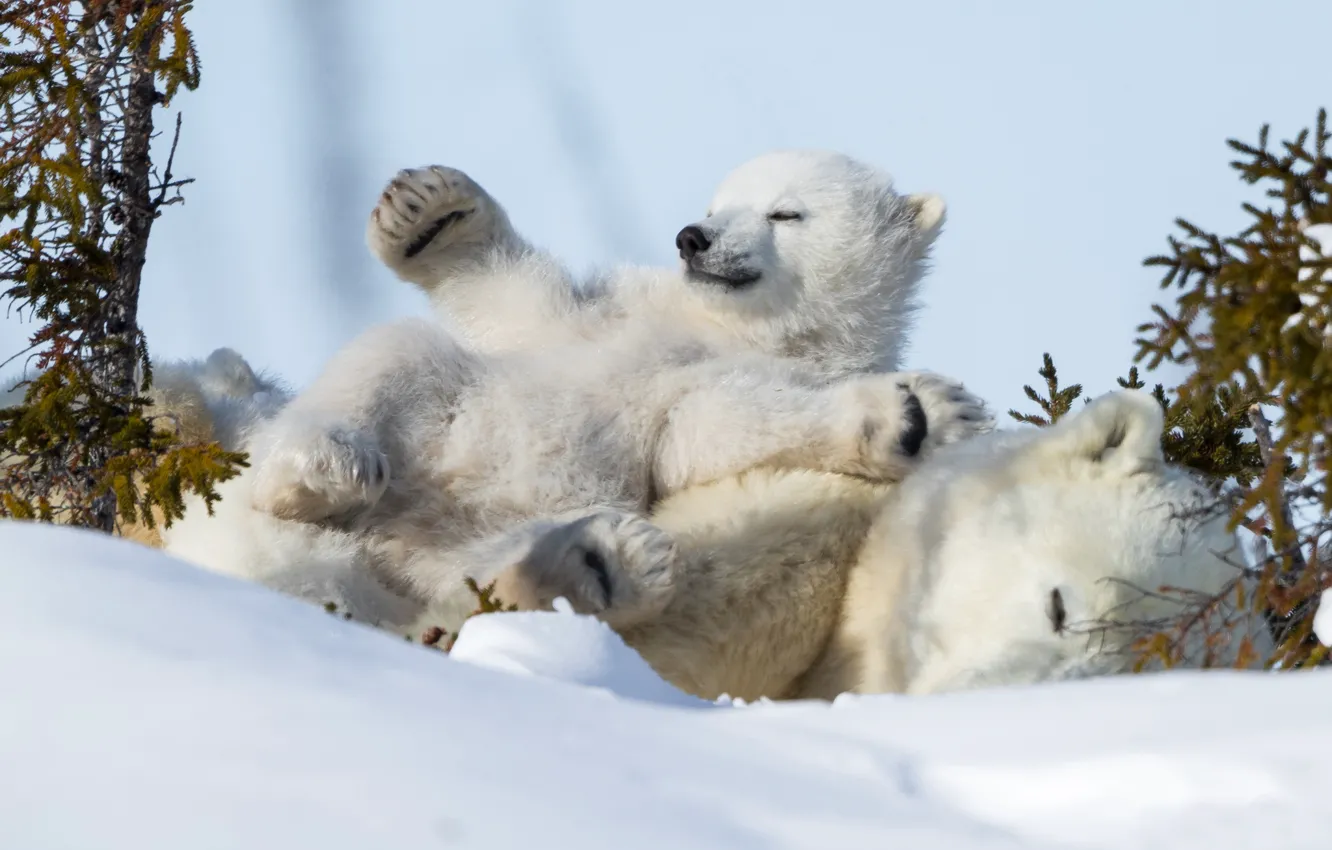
(216, 399)
(954, 584)
(989, 532)
(419, 457)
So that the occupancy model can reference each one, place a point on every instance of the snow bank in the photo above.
(146, 704)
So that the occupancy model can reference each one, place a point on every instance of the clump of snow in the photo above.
(564, 647)
(147, 704)
(1322, 624)
(1320, 235)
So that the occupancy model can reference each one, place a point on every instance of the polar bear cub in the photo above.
(417, 459)
(1003, 559)
(804, 253)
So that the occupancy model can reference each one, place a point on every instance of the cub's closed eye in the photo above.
(784, 215)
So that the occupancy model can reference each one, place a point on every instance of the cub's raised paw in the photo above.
(423, 212)
(879, 427)
(320, 474)
(951, 412)
(613, 565)
(888, 422)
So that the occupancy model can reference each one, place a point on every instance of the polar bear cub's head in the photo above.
(814, 254)
(1032, 549)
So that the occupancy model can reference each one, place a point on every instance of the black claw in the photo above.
(597, 564)
(419, 243)
(917, 427)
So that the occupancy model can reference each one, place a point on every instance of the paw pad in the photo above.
(917, 426)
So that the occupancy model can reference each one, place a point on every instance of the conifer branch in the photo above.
(1055, 404)
(77, 181)
(1262, 430)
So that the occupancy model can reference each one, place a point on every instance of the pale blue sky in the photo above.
(1065, 136)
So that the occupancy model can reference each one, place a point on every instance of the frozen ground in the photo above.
(144, 704)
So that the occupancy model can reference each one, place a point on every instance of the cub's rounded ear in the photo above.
(226, 369)
(928, 212)
(1121, 429)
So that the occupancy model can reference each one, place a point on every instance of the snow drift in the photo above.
(147, 704)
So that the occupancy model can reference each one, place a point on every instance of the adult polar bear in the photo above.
(1009, 558)
(415, 460)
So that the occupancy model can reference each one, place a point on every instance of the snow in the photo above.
(1322, 624)
(146, 704)
(577, 650)
(1320, 234)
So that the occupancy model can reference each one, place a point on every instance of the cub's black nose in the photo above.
(692, 240)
